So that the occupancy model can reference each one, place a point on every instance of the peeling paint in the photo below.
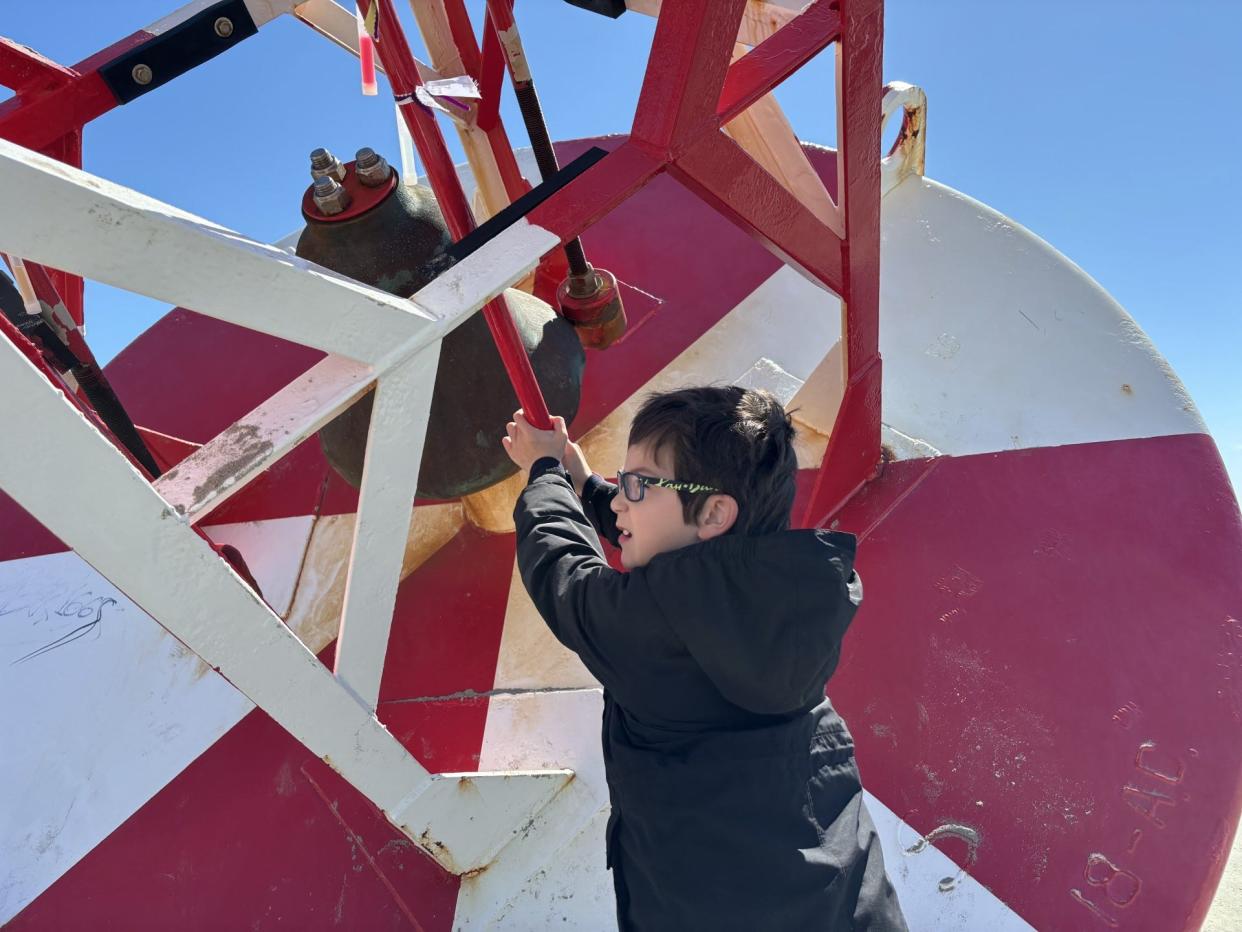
(242, 440)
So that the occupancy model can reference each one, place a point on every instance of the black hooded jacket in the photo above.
(736, 802)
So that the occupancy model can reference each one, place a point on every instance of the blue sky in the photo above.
(1105, 126)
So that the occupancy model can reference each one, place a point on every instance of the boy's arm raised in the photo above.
(578, 594)
(596, 494)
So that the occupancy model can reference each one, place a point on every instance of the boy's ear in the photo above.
(717, 516)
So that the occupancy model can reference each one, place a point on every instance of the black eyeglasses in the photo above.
(634, 485)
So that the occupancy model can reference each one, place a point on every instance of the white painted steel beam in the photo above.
(75, 483)
(65, 218)
(207, 478)
(386, 502)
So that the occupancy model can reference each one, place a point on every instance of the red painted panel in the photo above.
(258, 834)
(1050, 651)
(211, 373)
(21, 535)
(448, 620)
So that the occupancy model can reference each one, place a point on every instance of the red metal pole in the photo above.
(398, 62)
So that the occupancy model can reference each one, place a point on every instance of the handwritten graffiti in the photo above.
(70, 619)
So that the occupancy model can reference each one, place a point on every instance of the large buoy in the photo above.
(364, 223)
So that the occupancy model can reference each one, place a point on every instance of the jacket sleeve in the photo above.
(597, 498)
(585, 602)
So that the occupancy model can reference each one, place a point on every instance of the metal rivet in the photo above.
(224, 27)
(142, 74)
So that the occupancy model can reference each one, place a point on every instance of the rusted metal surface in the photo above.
(907, 156)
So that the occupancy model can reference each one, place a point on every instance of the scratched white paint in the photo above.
(992, 340)
(92, 728)
(967, 906)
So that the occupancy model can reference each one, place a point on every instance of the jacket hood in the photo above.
(762, 616)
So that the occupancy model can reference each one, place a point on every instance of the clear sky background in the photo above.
(1108, 127)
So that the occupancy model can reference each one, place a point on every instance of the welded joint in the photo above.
(464, 821)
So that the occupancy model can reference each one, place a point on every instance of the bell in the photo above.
(369, 226)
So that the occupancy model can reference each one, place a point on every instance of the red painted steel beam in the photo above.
(720, 172)
(858, 116)
(598, 190)
(23, 68)
(777, 57)
(853, 454)
(491, 75)
(689, 59)
(39, 118)
(403, 77)
(48, 112)
(476, 64)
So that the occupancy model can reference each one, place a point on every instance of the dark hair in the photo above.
(738, 440)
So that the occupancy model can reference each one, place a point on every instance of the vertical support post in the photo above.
(389, 479)
(853, 452)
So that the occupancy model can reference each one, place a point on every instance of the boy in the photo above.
(736, 802)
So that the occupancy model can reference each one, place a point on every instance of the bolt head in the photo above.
(224, 27)
(142, 74)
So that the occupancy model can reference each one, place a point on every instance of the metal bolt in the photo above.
(224, 27)
(372, 169)
(329, 196)
(324, 163)
(142, 74)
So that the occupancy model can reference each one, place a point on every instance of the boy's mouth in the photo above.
(623, 535)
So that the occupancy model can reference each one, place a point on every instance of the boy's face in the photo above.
(656, 524)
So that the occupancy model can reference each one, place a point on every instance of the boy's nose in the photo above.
(618, 502)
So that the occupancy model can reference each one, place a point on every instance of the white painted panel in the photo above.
(992, 340)
(78, 761)
(530, 657)
(549, 729)
(273, 551)
(935, 893)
